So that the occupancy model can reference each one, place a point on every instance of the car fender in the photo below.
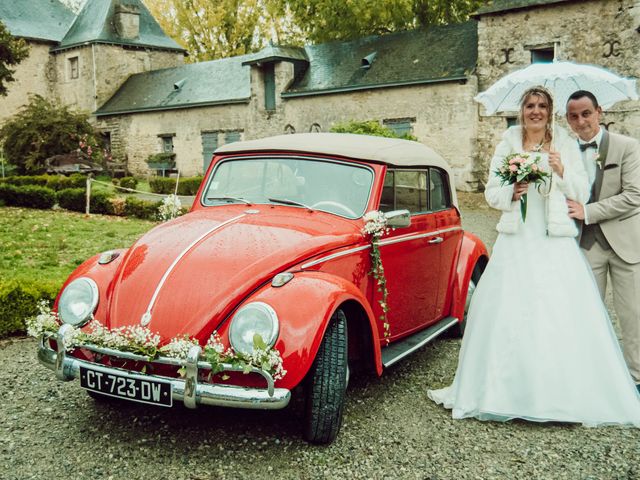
(304, 307)
(472, 251)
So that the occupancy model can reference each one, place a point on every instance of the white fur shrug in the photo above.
(573, 185)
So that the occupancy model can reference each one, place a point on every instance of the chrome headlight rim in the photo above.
(235, 336)
(93, 289)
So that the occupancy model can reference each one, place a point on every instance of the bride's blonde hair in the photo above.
(538, 91)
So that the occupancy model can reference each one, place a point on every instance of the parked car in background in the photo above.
(266, 284)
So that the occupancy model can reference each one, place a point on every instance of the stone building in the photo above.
(423, 82)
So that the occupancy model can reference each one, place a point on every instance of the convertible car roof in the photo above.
(392, 151)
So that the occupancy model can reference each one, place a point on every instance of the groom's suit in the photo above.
(611, 237)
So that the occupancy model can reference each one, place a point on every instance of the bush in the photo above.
(29, 196)
(144, 209)
(72, 199)
(167, 186)
(54, 182)
(8, 194)
(129, 182)
(189, 185)
(162, 185)
(371, 127)
(19, 301)
(75, 199)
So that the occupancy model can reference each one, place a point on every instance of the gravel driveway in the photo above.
(391, 430)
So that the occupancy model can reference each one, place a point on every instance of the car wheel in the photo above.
(327, 383)
(459, 328)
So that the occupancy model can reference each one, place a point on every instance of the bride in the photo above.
(538, 343)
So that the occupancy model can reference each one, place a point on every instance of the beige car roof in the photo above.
(391, 151)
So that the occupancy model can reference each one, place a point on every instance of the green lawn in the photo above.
(47, 245)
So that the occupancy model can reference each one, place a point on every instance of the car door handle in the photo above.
(436, 240)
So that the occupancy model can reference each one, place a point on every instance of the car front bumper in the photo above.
(187, 389)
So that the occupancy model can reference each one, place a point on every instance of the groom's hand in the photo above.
(576, 210)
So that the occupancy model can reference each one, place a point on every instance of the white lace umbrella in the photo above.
(561, 79)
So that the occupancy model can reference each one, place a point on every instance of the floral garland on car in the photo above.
(142, 341)
(376, 226)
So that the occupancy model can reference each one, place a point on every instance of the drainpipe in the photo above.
(95, 81)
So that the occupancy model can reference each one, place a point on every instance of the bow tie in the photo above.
(584, 146)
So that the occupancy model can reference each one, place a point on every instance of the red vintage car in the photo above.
(266, 284)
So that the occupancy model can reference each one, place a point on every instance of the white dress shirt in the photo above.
(589, 160)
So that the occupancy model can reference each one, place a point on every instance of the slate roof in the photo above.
(46, 20)
(197, 84)
(94, 25)
(434, 54)
(499, 6)
(420, 56)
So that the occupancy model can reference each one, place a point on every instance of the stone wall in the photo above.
(34, 75)
(601, 32)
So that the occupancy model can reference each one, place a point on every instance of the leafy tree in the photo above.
(210, 29)
(12, 52)
(370, 127)
(43, 129)
(325, 20)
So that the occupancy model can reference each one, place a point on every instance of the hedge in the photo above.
(134, 207)
(129, 182)
(29, 196)
(75, 199)
(19, 301)
(54, 182)
(166, 186)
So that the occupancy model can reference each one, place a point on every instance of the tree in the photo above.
(12, 52)
(325, 20)
(210, 29)
(43, 129)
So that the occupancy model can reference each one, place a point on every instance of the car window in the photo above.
(438, 190)
(404, 190)
(334, 187)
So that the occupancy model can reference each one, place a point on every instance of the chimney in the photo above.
(126, 21)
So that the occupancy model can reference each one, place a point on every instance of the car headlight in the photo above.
(78, 302)
(256, 317)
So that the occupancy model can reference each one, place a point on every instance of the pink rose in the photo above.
(513, 168)
(534, 168)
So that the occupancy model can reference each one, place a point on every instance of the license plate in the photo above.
(133, 388)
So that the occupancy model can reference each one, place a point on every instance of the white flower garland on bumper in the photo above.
(142, 341)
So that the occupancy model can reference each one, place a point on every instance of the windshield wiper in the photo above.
(231, 199)
(285, 201)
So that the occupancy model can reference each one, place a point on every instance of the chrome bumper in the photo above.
(186, 389)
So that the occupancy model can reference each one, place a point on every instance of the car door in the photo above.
(447, 223)
(410, 256)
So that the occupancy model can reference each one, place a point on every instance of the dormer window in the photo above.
(268, 72)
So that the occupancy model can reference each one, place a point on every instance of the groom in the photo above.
(611, 219)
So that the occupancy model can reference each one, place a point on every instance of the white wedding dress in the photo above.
(539, 344)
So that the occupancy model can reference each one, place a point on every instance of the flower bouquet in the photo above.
(519, 167)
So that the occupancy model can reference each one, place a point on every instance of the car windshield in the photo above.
(338, 188)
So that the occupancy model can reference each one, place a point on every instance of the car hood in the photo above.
(190, 273)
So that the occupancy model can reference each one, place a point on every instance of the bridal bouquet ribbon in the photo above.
(522, 167)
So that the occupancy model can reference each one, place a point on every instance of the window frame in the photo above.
(74, 67)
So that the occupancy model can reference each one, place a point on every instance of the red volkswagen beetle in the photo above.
(279, 276)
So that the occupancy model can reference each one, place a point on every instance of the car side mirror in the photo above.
(398, 218)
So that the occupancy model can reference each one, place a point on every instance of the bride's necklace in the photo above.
(535, 147)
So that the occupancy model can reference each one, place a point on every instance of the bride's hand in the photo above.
(556, 163)
(519, 189)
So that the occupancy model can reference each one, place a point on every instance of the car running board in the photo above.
(398, 350)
